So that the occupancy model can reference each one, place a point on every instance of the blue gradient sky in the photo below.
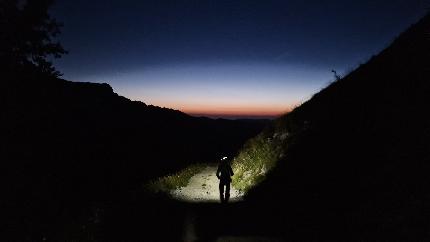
(224, 58)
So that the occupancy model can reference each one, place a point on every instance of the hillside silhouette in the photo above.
(67, 145)
(357, 159)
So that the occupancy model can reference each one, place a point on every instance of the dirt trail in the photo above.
(206, 221)
(203, 187)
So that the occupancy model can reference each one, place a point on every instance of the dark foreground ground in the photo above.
(167, 220)
(153, 218)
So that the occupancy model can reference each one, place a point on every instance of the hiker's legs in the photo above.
(227, 191)
(221, 191)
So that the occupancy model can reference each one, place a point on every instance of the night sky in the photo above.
(224, 58)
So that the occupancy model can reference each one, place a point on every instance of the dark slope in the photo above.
(357, 161)
(66, 146)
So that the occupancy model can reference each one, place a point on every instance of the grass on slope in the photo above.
(256, 159)
(176, 180)
(259, 155)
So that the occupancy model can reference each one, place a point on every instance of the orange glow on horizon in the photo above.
(223, 107)
(238, 110)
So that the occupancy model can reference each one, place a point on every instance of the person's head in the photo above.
(224, 159)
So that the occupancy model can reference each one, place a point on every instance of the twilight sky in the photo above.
(224, 58)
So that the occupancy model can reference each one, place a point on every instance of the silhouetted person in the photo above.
(224, 174)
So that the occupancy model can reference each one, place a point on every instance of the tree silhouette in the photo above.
(27, 36)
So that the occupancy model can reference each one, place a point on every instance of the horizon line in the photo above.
(234, 116)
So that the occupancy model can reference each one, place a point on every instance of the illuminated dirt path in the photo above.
(205, 220)
(203, 187)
